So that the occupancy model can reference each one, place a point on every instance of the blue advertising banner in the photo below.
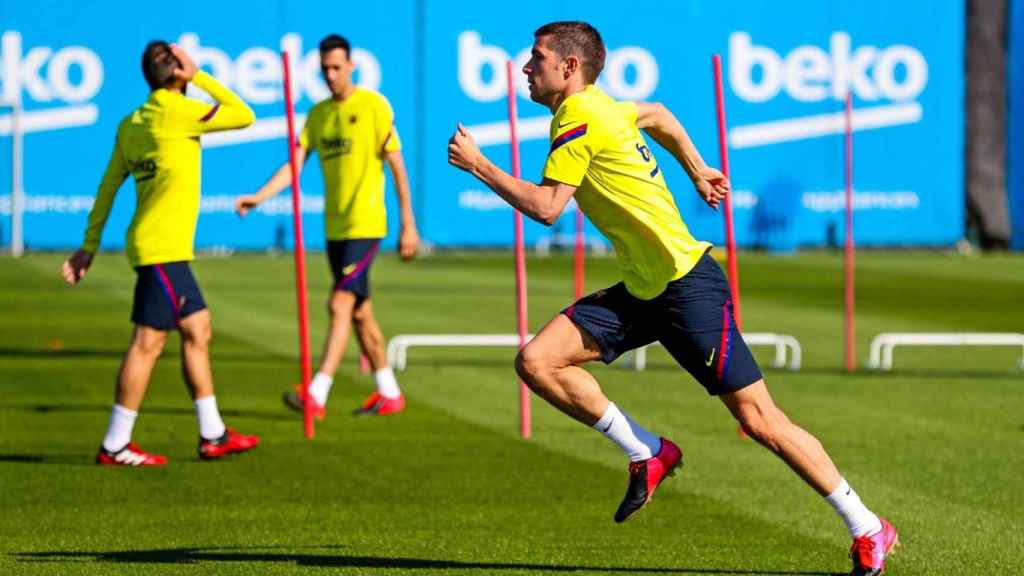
(75, 68)
(1015, 131)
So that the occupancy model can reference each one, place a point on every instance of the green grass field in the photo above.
(447, 487)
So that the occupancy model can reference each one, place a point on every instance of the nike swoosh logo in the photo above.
(710, 358)
(562, 124)
(609, 426)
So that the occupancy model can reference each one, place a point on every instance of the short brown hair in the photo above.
(158, 64)
(577, 39)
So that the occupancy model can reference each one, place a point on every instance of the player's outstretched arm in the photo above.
(409, 237)
(542, 202)
(659, 122)
(280, 180)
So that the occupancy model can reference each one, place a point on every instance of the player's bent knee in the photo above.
(149, 341)
(197, 329)
(341, 304)
(532, 364)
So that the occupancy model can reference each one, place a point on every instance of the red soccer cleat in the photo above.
(294, 400)
(230, 443)
(645, 476)
(130, 455)
(378, 405)
(869, 552)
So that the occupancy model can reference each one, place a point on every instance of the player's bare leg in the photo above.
(196, 332)
(757, 413)
(215, 439)
(117, 448)
(550, 366)
(137, 366)
(873, 537)
(388, 399)
(340, 306)
(368, 332)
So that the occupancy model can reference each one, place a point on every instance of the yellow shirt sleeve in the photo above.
(115, 174)
(630, 110)
(229, 111)
(384, 121)
(308, 139)
(573, 144)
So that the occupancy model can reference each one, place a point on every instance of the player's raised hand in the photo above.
(245, 203)
(76, 266)
(712, 186)
(463, 152)
(188, 67)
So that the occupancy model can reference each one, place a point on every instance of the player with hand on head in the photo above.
(672, 292)
(158, 144)
(353, 131)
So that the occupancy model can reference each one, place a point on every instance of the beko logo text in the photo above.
(73, 74)
(256, 72)
(809, 74)
(616, 79)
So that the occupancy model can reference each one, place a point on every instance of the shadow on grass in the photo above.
(195, 555)
(276, 415)
(63, 459)
(170, 351)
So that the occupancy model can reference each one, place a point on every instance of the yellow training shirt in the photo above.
(158, 144)
(596, 146)
(352, 137)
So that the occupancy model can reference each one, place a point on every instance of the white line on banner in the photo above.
(493, 133)
(263, 129)
(791, 129)
(51, 119)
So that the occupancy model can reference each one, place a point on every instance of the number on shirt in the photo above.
(645, 153)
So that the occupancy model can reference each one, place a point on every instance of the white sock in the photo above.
(638, 443)
(320, 387)
(387, 385)
(859, 520)
(119, 432)
(211, 426)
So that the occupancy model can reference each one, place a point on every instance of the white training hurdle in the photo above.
(399, 345)
(882, 346)
(781, 342)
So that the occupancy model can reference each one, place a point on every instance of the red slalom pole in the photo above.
(579, 259)
(851, 326)
(520, 251)
(723, 153)
(300, 254)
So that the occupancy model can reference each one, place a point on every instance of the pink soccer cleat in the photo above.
(378, 405)
(868, 552)
(645, 476)
(230, 443)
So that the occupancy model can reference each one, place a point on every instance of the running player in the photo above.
(354, 133)
(158, 144)
(672, 290)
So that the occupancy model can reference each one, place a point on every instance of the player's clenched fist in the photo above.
(462, 150)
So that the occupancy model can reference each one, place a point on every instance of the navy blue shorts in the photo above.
(350, 263)
(692, 319)
(164, 294)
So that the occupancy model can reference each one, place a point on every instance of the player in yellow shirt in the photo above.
(672, 290)
(158, 144)
(354, 134)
